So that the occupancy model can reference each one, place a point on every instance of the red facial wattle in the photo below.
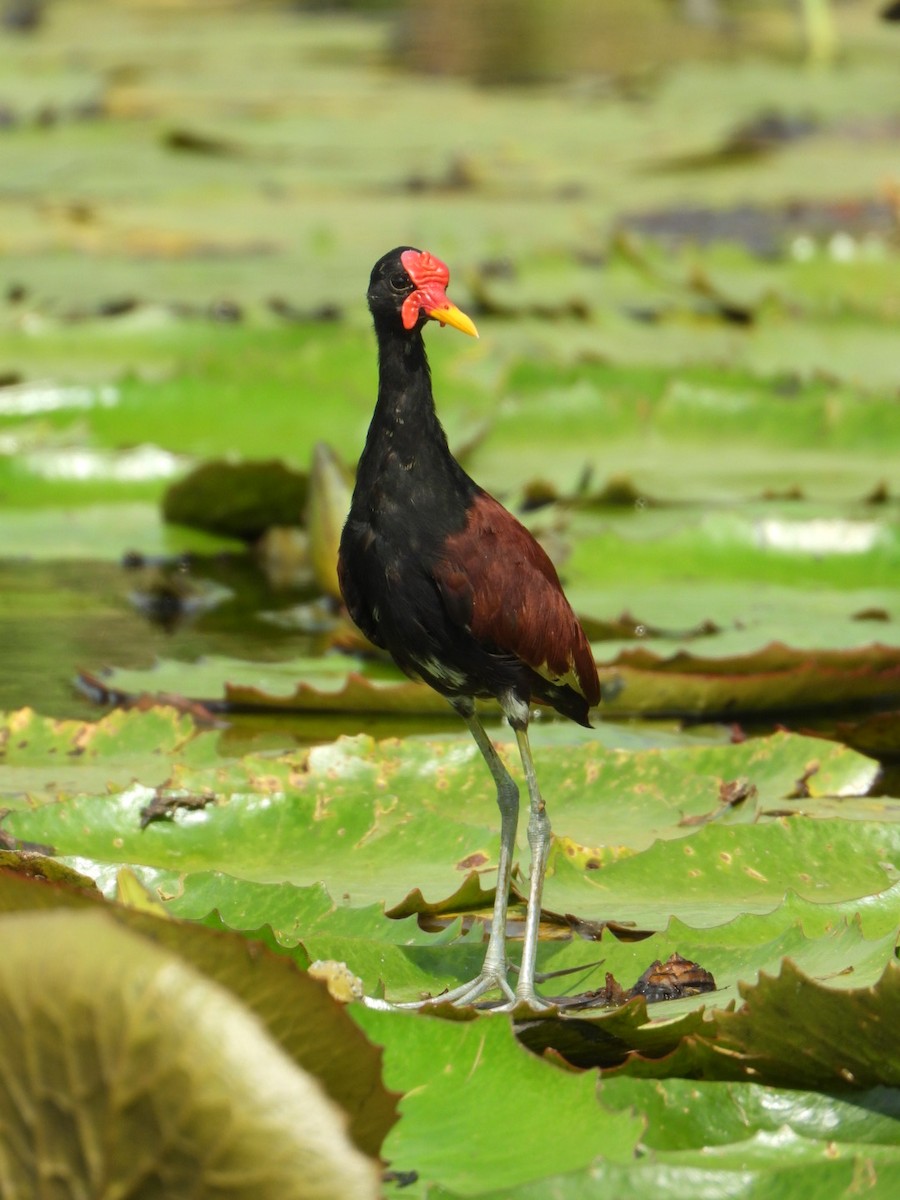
(431, 278)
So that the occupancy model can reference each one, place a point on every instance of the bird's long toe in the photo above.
(463, 996)
(475, 989)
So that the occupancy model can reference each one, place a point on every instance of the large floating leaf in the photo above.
(332, 684)
(636, 679)
(315, 844)
(790, 1030)
(40, 756)
(846, 1038)
(722, 1141)
(296, 1011)
(434, 802)
(100, 1027)
(239, 500)
(457, 1074)
(775, 679)
(724, 1138)
(100, 532)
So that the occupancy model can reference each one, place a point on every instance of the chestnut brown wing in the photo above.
(497, 582)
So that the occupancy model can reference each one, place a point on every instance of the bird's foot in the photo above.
(463, 996)
(533, 1001)
(472, 994)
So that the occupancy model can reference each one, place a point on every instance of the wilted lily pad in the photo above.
(635, 679)
(297, 1013)
(237, 499)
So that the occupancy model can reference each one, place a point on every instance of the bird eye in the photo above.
(399, 281)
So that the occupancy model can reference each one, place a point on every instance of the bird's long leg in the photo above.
(492, 976)
(494, 967)
(539, 841)
(493, 972)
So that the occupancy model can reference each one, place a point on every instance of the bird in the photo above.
(434, 570)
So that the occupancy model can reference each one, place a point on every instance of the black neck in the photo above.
(409, 487)
(405, 413)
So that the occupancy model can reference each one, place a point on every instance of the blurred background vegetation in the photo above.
(675, 223)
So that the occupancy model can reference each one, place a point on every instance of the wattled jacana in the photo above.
(437, 572)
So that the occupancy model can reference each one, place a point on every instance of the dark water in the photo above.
(59, 618)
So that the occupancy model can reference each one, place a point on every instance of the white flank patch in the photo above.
(442, 671)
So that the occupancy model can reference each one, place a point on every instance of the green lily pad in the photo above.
(103, 532)
(457, 1073)
(415, 790)
(738, 1141)
(40, 757)
(642, 836)
(647, 678)
(847, 1038)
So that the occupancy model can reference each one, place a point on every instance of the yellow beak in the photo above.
(449, 314)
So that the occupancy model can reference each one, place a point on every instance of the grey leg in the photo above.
(492, 976)
(508, 803)
(539, 841)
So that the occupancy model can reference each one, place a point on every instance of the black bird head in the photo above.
(409, 287)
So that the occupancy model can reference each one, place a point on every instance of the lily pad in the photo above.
(310, 1028)
(101, 532)
(649, 678)
(738, 1141)
(435, 1064)
(239, 500)
(642, 836)
(174, 1014)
